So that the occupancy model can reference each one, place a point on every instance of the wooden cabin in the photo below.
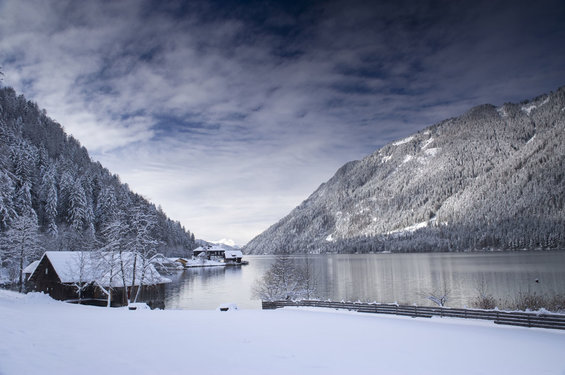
(62, 273)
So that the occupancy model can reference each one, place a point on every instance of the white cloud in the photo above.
(205, 115)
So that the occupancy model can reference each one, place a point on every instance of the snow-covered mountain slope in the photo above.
(67, 200)
(491, 178)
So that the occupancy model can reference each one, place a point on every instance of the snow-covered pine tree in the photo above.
(49, 200)
(7, 211)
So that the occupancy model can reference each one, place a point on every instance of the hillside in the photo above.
(53, 192)
(492, 178)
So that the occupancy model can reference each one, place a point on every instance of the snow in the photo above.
(427, 143)
(431, 151)
(403, 141)
(67, 266)
(31, 268)
(232, 254)
(411, 228)
(203, 262)
(407, 158)
(42, 336)
(502, 112)
(531, 107)
(225, 241)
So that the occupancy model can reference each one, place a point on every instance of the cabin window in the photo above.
(46, 271)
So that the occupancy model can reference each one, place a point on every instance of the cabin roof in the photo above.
(88, 266)
(233, 254)
(209, 248)
(31, 268)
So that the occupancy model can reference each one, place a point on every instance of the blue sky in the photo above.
(229, 113)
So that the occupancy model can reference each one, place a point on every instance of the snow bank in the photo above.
(204, 263)
(48, 337)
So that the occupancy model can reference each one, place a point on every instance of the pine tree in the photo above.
(7, 211)
(49, 199)
(77, 208)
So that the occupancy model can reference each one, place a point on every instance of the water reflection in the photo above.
(402, 278)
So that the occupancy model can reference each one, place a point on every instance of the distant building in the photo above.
(233, 256)
(209, 251)
(62, 273)
(219, 253)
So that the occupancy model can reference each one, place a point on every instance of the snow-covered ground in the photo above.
(204, 263)
(42, 336)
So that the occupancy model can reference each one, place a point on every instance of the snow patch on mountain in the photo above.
(502, 112)
(530, 108)
(403, 141)
(412, 228)
(427, 143)
(407, 158)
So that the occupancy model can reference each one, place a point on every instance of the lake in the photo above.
(402, 278)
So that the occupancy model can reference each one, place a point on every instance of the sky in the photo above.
(228, 114)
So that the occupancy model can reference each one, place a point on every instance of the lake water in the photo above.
(402, 278)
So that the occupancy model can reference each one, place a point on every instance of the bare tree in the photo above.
(440, 296)
(309, 278)
(21, 243)
(82, 268)
(484, 299)
(282, 281)
(144, 246)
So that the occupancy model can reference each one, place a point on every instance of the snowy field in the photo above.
(42, 336)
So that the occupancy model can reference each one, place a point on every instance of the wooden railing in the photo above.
(524, 319)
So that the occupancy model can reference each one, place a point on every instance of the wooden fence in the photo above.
(524, 319)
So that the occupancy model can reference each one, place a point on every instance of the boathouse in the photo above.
(233, 256)
(94, 277)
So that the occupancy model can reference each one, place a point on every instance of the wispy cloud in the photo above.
(228, 116)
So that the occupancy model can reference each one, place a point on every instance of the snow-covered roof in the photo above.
(209, 248)
(89, 266)
(233, 254)
(31, 268)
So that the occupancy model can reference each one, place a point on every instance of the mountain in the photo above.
(68, 201)
(492, 178)
(227, 245)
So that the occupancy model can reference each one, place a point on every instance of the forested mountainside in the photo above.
(492, 178)
(54, 195)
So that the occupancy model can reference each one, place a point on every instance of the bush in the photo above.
(485, 302)
(534, 301)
